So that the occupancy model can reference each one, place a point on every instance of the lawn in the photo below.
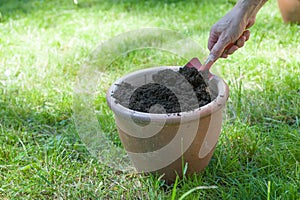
(44, 44)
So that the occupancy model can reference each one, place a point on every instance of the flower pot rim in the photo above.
(215, 105)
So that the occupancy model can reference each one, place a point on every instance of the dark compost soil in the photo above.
(170, 92)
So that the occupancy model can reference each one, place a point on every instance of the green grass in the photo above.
(43, 44)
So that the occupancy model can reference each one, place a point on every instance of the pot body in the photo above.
(290, 10)
(169, 144)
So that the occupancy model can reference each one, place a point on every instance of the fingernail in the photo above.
(211, 58)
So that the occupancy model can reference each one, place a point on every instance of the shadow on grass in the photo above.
(19, 112)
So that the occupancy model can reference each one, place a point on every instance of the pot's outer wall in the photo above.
(191, 157)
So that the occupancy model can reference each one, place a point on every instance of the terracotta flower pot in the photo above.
(169, 144)
(290, 10)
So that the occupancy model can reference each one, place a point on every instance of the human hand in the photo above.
(230, 33)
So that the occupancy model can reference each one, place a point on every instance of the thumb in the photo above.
(218, 48)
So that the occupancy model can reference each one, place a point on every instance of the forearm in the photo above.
(250, 7)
